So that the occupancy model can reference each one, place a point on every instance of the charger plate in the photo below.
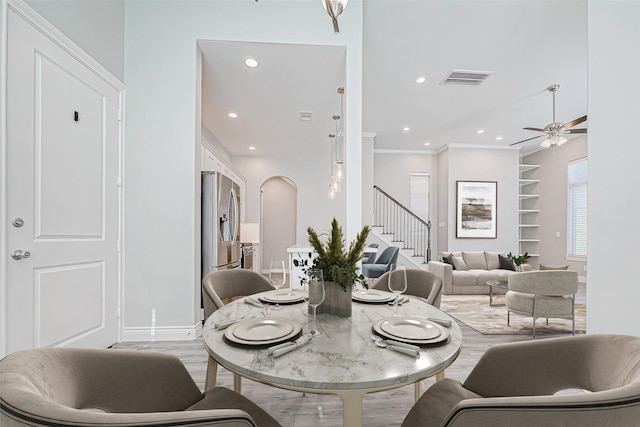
(412, 327)
(268, 330)
(372, 295)
(284, 296)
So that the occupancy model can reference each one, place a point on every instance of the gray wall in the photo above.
(96, 26)
(279, 198)
(485, 164)
(613, 291)
(552, 203)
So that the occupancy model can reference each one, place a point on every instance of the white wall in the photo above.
(163, 134)
(552, 203)
(96, 26)
(480, 164)
(613, 292)
(314, 209)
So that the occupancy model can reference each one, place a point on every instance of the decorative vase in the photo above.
(337, 300)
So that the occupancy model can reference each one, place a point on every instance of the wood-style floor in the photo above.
(382, 409)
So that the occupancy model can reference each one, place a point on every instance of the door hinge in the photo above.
(119, 246)
(119, 181)
(119, 114)
(118, 312)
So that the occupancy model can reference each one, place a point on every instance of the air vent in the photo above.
(305, 116)
(466, 77)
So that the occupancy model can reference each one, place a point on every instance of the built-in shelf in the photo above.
(528, 196)
(528, 225)
(524, 182)
(525, 168)
(528, 240)
(527, 228)
(527, 211)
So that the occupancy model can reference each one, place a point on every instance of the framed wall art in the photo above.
(476, 209)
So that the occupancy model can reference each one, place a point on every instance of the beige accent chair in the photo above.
(101, 387)
(420, 283)
(544, 294)
(222, 285)
(582, 381)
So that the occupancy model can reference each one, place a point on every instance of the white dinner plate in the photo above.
(444, 333)
(411, 328)
(229, 333)
(284, 295)
(263, 329)
(372, 295)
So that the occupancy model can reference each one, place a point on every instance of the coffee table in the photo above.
(500, 284)
(343, 361)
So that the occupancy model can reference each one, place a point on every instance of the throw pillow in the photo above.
(458, 263)
(474, 260)
(449, 260)
(506, 263)
(553, 267)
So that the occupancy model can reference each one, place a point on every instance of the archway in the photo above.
(278, 212)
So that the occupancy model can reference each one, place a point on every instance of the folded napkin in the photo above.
(253, 302)
(401, 300)
(402, 344)
(279, 350)
(404, 350)
(443, 322)
(224, 325)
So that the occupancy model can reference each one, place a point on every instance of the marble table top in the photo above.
(344, 357)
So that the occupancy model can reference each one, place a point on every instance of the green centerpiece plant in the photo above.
(339, 267)
(337, 264)
(519, 260)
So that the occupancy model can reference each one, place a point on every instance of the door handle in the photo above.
(19, 254)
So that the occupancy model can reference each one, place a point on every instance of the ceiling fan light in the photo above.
(561, 140)
(546, 143)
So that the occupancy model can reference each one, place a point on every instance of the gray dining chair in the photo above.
(71, 387)
(224, 285)
(420, 283)
(586, 381)
(382, 263)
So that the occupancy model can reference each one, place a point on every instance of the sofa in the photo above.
(467, 272)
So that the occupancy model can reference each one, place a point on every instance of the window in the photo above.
(420, 195)
(577, 210)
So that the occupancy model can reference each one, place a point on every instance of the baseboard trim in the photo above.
(162, 333)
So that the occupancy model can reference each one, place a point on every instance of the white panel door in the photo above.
(63, 168)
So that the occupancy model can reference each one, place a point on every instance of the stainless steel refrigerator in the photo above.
(220, 223)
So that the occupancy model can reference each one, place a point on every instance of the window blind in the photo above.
(577, 209)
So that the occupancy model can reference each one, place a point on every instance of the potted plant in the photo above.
(519, 260)
(339, 267)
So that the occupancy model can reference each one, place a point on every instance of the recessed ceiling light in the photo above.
(406, 129)
(480, 130)
(252, 148)
(427, 143)
(420, 80)
(233, 115)
(251, 63)
(498, 138)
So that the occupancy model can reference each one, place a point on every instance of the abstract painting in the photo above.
(476, 209)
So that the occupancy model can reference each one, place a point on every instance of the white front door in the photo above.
(63, 206)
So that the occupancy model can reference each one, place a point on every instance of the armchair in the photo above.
(547, 294)
(420, 283)
(67, 387)
(526, 384)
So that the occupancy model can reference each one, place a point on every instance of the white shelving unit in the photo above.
(527, 224)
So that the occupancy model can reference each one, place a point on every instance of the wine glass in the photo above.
(277, 277)
(397, 281)
(316, 295)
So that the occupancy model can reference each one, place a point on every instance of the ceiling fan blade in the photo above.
(576, 131)
(536, 129)
(525, 140)
(577, 121)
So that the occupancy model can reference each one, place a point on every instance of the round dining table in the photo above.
(343, 360)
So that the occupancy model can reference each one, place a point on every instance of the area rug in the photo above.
(475, 312)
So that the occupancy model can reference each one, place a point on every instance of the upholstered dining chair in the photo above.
(67, 387)
(586, 381)
(545, 294)
(221, 285)
(382, 263)
(371, 257)
(420, 283)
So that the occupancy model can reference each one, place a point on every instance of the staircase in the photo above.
(395, 225)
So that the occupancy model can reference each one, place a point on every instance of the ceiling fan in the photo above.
(555, 131)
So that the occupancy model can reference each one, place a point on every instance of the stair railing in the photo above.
(404, 225)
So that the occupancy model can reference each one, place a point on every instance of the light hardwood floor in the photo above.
(291, 409)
